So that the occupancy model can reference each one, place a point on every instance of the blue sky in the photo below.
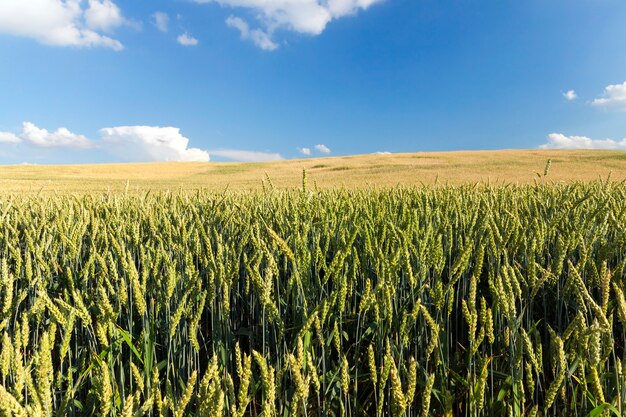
(105, 80)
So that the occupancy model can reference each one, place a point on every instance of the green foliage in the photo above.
(443, 301)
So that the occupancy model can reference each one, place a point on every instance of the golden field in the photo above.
(361, 171)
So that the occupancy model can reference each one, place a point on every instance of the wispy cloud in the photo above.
(305, 151)
(62, 23)
(319, 148)
(187, 40)
(322, 148)
(161, 20)
(256, 36)
(247, 156)
(614, 98)
(561, 141)
(570, 95)
(303, 16)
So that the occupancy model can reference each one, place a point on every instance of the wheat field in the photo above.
(363, 171)
(456, 284)
(471, 300)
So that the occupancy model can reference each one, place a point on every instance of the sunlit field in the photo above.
(200, 215)
(365, 171)
(483, 299)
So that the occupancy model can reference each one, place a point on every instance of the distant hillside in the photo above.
(496, 167)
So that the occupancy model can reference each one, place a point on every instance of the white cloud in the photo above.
(128, 143)
(322, 148)
(570, 95)
(161, 21)
(382, 153)
(62, 22)
(561, 141)
(614, 97)
(60, 138)
(302, 16)
(150, 143)
(257, 36)
(131, 143)
(103, 15)
(187, 40)
(305, 151)
(247, 156)
(8, 137)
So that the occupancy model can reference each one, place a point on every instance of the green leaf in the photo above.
(127, 338)
(599, 410)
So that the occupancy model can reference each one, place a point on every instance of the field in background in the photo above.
(508, 166)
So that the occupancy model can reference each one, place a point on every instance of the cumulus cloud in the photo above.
(256, 36)
(247, 156)
(42, 138)
(161, 21)
(131, 143)
(322, 148)
(561, 141)
(60, 138)
(127, 143)
(103, 15)
(302, 16)
(8, 137)
(150, 143)
(62, 22)
(382, 153)
(570, 95)
(187, 40)
(614, 97)
(305, 151)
